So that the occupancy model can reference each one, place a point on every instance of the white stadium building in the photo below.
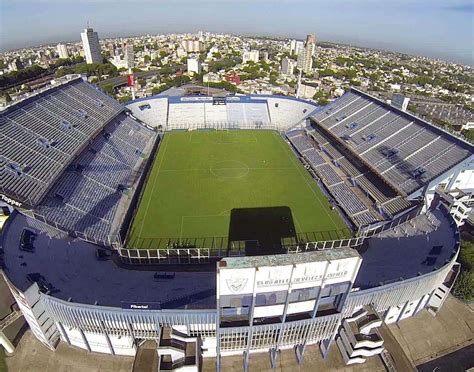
(402, 185)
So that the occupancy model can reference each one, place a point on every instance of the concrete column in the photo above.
(299, 351)
(402, 312)
(5, 342)
(84, 338)
(107, 338)
(318, 298)
(285, 309)
(63, 332)
(273, 357)
(252, 308)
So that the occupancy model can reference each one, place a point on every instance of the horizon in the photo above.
(444, 32)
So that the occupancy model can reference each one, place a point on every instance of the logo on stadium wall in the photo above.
(236, 285)
(10, 201)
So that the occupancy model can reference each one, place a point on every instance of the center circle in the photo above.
(229, 169)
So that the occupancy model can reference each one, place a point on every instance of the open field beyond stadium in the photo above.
(207, 186)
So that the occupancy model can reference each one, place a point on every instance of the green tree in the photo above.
(17, 77)
(224, 64)
(159, 89)
(6, 97)
(124, 99)
(63, 71)
(229, 87)
(343, 61)
(355, 83)
(327, 72)
(464, 286)
(469, 134)
(78, 59)
(109, 89)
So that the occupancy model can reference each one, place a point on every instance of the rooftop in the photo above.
(414, 248)
(288, 259)
(71, 269)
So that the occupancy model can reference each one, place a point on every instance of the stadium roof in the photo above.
(287, 259)
(406, 151)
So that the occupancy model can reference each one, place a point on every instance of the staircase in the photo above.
(146, 359)
(177, 350)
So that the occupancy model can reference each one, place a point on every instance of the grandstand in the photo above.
(245, 112)
(407, 152)
(72, 154)
(86, 196)
(43, 133)
(358, 207)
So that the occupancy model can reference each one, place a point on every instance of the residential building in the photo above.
(305, 58)
(91, 46)
(194, 66)
(287, 66)
(296, 47)
(15, 65)
(192, 46)
(62, 51)
(250, 56)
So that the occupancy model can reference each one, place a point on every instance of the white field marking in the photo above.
(153, 187)
(239, 142)
(232, 176)
(297, 223)
(223, 142)
(207, 215)
(312, 190)
(206, 169)
(181, 229)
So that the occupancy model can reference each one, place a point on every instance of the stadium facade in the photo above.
(74, 165)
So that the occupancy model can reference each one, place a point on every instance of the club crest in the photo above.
(235, 285)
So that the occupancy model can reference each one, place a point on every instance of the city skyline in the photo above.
(444, 30)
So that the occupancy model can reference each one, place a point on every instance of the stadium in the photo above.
(211, 226)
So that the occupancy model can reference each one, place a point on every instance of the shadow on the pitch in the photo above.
(261, 230)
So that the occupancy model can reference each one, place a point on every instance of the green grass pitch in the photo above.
(198, 177)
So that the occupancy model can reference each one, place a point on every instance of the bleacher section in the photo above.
(384, 198)
(345, 195)
(406, 151)
(245, 112)
(85, 198)
(42, 134)
(154, 111)
(287, 112)
(186, 115)
(202, 114)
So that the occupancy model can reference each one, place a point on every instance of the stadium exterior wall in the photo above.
(99, 328)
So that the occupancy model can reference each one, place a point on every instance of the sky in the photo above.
(435, 28)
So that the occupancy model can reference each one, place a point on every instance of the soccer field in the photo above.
(201, 181)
